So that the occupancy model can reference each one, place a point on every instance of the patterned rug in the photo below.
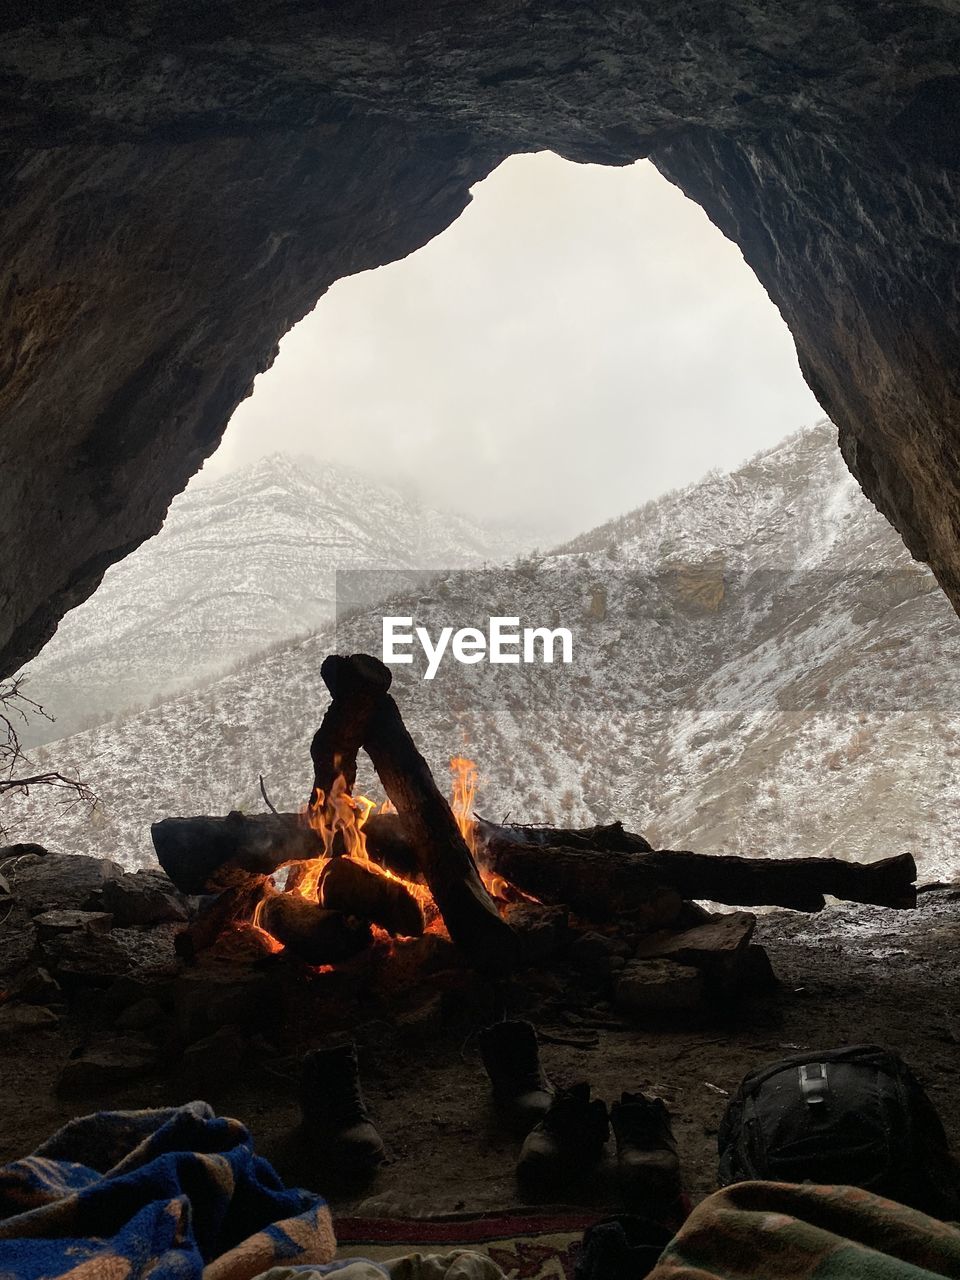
(524, 1246)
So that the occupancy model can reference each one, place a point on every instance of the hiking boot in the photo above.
(647, 1160)
(334, 1113)
(566, 1143)
(511, 1058)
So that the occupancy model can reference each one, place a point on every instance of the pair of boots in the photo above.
(335, 1118)
(565, 1132)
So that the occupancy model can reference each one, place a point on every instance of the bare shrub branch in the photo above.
(16, 768)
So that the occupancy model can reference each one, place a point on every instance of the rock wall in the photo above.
(180, 183)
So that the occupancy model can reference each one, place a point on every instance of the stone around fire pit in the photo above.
(62, 881)
(143, 1015)
(210, 997)
(659, 987)
(50, 924)
(83, 957)
(18, 940)
(36, 985)
(18, 1021)
(108, 1064)
(144, 898)
(598, 955)
(715, 947)
(541, 931)
(755, 974)
(211, 1065)
(22, 850)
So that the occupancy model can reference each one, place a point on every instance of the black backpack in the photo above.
(855, 1117)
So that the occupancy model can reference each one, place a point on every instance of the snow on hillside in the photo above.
(758, 667)
(239, 564)
(795, 506)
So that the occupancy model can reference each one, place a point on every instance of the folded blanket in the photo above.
(460, 1264)
(176, 1194)
(759, 1230)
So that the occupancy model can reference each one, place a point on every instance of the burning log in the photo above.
(447, 865)
(598, 885)
(356, 685)
(204, 854)
(348, 886)
(607, 864)
(310, 932)
(389, 847)
(604, 863)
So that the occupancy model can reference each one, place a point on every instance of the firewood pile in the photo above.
(325, 884)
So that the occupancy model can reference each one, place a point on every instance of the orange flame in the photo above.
(339, 819)
(464, 776)
(345, 815)
(269, 942)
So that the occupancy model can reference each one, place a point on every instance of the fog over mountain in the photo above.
(580, 339)
(240, 563)
(758, 667)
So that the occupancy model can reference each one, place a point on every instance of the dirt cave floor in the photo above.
(849, 975)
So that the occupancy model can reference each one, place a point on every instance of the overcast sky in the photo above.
(579, 340)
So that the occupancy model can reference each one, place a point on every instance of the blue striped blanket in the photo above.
(174, 1194)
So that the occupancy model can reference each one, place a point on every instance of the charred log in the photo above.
(520, 855)
(798, 883)
(234, 906)
(206, 854)
(356, 686)
(310, 932)
(388, 846)
(608, 837)
(349, 887)
(598, 885)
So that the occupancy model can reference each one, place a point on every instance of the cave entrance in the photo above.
(580, 340)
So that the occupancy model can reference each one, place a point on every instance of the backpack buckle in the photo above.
(813, 1082)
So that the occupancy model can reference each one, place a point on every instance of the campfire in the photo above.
(346, 874)
(329, 882)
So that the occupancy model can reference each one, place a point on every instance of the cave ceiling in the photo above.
(180, 183)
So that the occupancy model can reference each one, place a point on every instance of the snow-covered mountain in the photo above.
(239, 564)
(758, 666)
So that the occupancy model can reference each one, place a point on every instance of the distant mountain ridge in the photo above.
(794, 506)
(759, 667)
(240, 563)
